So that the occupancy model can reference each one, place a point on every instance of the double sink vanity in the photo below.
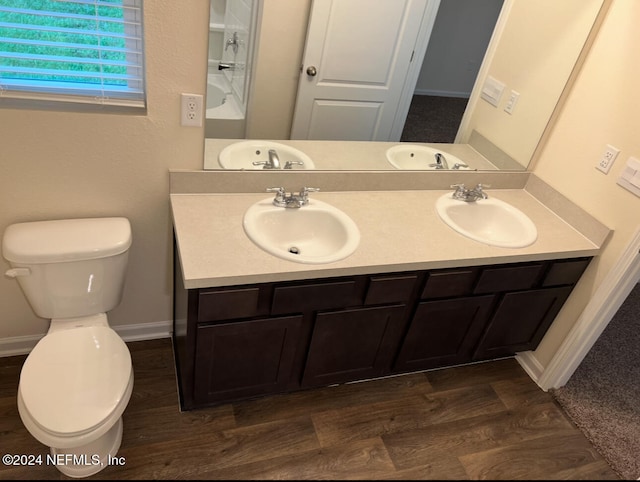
(287, 279)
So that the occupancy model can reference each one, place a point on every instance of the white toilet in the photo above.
(77, 380)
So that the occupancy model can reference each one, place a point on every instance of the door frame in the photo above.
(604, 304)
(411, 79)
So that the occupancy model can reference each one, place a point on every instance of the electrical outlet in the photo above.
(191, 111)
(606, 160)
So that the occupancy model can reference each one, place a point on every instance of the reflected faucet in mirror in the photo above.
(232, 42)
(226, 65)
(272, 163)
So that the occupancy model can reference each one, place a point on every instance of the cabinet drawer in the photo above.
(565, 272)
(229, 303)
(449, 283)
(511, 278)
(320, 296)
(390, 289)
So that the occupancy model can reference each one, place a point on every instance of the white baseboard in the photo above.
(18, 345)
(530, 364)
(21, 345)
(145, 331)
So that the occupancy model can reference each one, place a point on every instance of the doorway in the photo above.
(457, 46)
(605, 302)
(360, 78)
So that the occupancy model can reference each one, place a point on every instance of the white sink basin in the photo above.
(314, 234)
(417, 157)
(242, 155)
(490, 221)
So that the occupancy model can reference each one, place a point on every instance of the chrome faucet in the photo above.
(233, 42)
(441, 162)
(291, 200)
(274, 160)
(272, 163)
(226, 65)
(469, 195)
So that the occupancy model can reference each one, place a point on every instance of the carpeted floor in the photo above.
(433, 119)
(603, 395)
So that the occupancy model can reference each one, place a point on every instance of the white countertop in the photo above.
(400, 231)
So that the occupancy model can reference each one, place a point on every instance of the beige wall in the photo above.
(56, 164)
(280, 45)
(535, 53)
(64, 165)
(601, 109)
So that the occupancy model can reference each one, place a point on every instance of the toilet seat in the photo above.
(73, 380)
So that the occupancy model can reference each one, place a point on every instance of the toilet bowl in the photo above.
(77, 381)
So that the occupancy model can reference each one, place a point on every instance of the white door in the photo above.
(356, 61)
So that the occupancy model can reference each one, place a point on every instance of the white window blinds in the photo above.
(87, 51)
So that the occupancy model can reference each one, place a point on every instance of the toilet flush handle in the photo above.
(15, 272)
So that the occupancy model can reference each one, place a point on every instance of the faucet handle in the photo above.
(280, 194)
(290, 164)
(304, 193)
(479, 192)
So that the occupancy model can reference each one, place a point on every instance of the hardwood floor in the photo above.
(483, 421)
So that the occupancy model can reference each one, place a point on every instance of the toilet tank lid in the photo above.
(62, 240)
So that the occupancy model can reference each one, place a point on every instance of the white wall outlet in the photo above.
(511, 102)
(606, 160)
(191, 110)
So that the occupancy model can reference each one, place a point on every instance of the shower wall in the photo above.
(231, 27)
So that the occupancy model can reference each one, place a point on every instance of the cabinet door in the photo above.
(520, 321)
(243, 359)
(443, 333)
(352, 344)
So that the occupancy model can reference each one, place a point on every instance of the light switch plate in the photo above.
(630, 177)
(492, 91)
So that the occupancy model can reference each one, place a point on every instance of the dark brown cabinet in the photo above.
(352, 344)
(245, 341)
(244, 359)
(443, 332)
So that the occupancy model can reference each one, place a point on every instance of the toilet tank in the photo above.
(71, 267)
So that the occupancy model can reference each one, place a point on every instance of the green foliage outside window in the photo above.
(58, 53)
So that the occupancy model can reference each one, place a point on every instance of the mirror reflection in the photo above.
(500, 64)
(232, 26)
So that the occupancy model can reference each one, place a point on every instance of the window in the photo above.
(80, 51)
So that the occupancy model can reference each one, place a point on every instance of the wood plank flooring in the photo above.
(484, 421)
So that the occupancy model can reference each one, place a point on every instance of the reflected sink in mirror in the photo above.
(315, 233)
(417, 157)
(254, 154)
(490, 221)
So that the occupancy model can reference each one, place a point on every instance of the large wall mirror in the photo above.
(483, 76)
